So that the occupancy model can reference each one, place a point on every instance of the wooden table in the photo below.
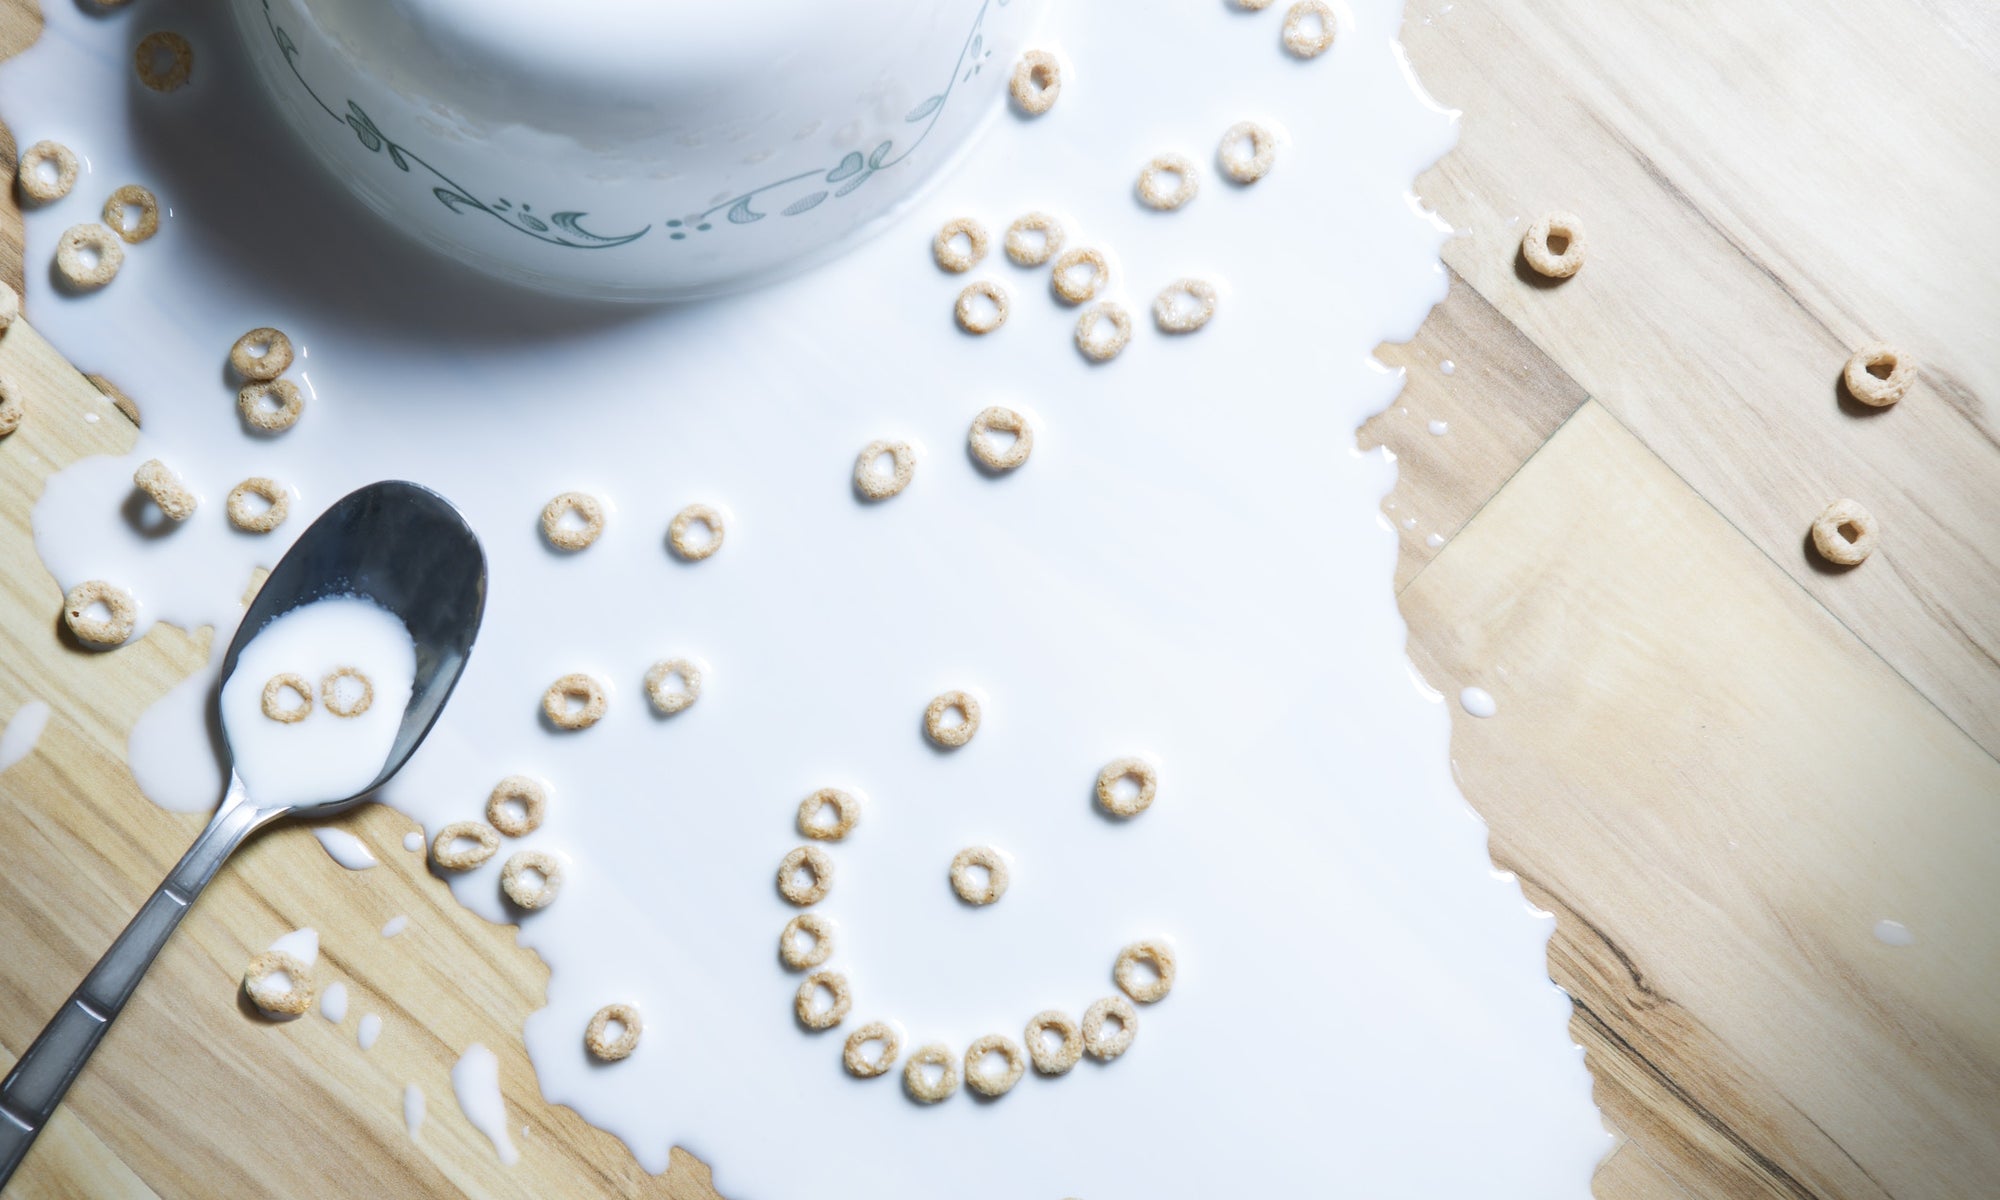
(1718, 761)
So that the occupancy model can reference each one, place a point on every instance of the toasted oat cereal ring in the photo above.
(1174, 316)
(1879, 374)
(261, 354)
(1134, 984)
(918, 1083)
(1538, 245)
(846, 811)
(271, 405)
(990, 454)
(667, 699)
(133, 196)
(684, 521)
(1139, 771)
(799, 954)
(1034, 239)
(945, 246)
(880, 485)
(119, 400)
(952, 735)
(155, 479)
(296, 996)
(343, 706)
(88, 256)
(1309, 29)
(1059, 1058)
(811, 1015)
(1071, 283)
(976, 1076)
(13, 409)
(531, 878)
(121, 613)
(450, 856)
(1037, 82)
(967, 886)
(516, 805)
(1246, 152)
(587, 692)
(599, 1040)
(967, 311)
(10, 307)
(274, 698)
(1845, 533)
(1253, 5)
(565, 537)
(1107, 347)
(1156, 192)
(855, 1055)
(46, 186)
(813, 862)
(164, 60)
(1106, 1044)
(242, 515)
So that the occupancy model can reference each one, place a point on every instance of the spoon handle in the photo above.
(29, 1095)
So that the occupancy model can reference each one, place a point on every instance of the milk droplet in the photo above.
(476, 1081)
(333, 1003)
(302, 944)
(1434, 540)
(24, 729)
(1439, 428)
(1894, 933)
(413, 841)
(344, 848)
(413, 1108)
(371, 1028)
(396, 925)
(1447, 366)
(1478, 702)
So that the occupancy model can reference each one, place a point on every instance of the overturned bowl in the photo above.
(635, 149)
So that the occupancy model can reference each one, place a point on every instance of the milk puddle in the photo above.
(1188, 569)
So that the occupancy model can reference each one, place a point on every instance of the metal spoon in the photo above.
(398, 544)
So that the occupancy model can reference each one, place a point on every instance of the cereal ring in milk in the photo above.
(944, 247)
(291, 1000)
(1155, 190)
(1034, 239)
(952, 735)
(516, 805)
(449, 855)
(797, 952)
(1079, 274)
(165, 488)
(812, 861)
(133, 196)
(917, 1081)
(1135, 985)
(668, 700)
(271, 405)
(599, 1040)
(967, 310)
(113, 628)
(846, 811)
(590, 697)
(88, 257)
(1140, 772)
(262, 354)
(531, 878)
(970, 889)
(854, 1056)
(880, 485)
(1309, 29)
(274, 703)
(1250, 166)
(976, 1076)
(164, 60)
(1105, 347)
(1109, 1027)
(987, 449)
(245, 516)
(1037, 82)
(682, 526)
(50, 185)
(810, 1014)
(1059, 1058)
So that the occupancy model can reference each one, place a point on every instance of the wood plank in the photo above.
(1743, 789)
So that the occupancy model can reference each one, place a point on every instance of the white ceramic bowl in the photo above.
(641, 149)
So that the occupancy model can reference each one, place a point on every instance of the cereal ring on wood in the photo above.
(1037, 82)
(164, 60)
(604, 1046)
(968, 887)
(13, 409)
(1140, 772)
(590, 697)
(1309, 28)
(275, 706)
(47, 172)
(572, 537)
(88, 257)
(1845, 533)
(154, 478)
(988, 451)
(1103, 348)
(261, 354)
(1879, 374)
(684, 522)
(880, 485)
(846, 811)
(516, 805)
(855, 1055)
(531, 878)
(976, 1076)
(669, 700)
(243, 515)
(1539, 245)
(811, 1015)
(111, 629)
(917, 1081)
(271, 405)
(1059, 1058)
(1070, 280)
(967, 311)
(1034, 239)
(133, 196)
(1246, 152)
(797, 953)
(945, 248)
(1155, 191)
(449, 852)
(812, 862)
(1109, 1027)
(1132, 983)
(952, 735)
(10, 307)
(330, 693)
(289, 1001)
(1173, 316)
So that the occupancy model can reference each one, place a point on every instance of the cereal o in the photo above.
(945, 249)
(598, 1039)
(880, 485)
(1174, 316)
(155, 479)
(854, 1056)
(1845, 533)
(1109, 1027)
(1132, 983)
(50, 186)
(846, 811)
(976, 1076)
(988, 451)
(813, 862)
(968, 887)
(567, 537)
(1059, 1058)
(1103, 347)
(1073, 284)
(917, 1080)
(88, 256)
(1034, 239)
(1305, 36)
(967, 311)
(274, 703)
(133, 196)
(1247, 167)
(810, 1014)
(516, 805)
(1538, 245)
(679, 529)
(270, 406)
(1155, 190)
(112, 629)
(449, 855)
(666, 698)
(531, 878)
(245, 516)
(1879, 391)
(297, 995)
(799, 954)
(952, 735)
(164, 60)
(1037, 82)
(261, 354)
(330, 693)
(13, 409)
(590, 698)
(1140, 772)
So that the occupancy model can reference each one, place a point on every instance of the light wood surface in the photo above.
(1717, 762)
